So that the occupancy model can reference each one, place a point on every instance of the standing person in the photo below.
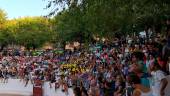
(5, 75)
(21, 73)
(69, 82)
(26, 79)
(52, 79)
(168, 65)
(66, 89)
(57, 85)
(1, 75)
(26, 73)
(31, 77)
(159, 81)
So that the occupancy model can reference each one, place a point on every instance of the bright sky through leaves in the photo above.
(22, 8)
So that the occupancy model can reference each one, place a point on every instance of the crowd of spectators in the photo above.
(126, 67)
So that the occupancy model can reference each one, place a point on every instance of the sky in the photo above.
(22, 8)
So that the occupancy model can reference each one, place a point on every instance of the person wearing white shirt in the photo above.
(159, 81)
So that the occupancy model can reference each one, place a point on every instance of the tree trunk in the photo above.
(63, 44)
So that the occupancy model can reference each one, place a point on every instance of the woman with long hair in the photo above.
(139, 89)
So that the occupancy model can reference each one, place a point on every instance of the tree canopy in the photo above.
(82, 20)
(2, 18)
(31, 32)
(105, 18)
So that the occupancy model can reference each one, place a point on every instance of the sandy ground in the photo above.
(11, 95)
(16, 88)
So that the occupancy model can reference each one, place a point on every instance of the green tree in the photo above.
(33, 32)
(2, 17)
